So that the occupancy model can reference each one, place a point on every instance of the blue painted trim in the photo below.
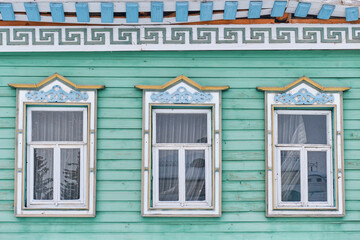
(7, 12)
(32, 12)
(107, 12)
(278, 8)
(326, 11)
(302, 9)
(57, 12)
(206, 11)
(230, 10)
(56, 94)
(132, 12)
(352, 14)
(304, 97)
(181, 95)
(182, 11)
(82, 12)
(157, 11)
(255, 9)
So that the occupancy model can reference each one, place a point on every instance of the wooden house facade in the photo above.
(179, 119)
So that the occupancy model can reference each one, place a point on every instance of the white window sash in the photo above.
(304, 149)
(181, 148)
(56, 202)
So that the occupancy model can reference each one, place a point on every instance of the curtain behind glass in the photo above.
(181, 128)
(43, 173)
(70, 174)
(291, 129)
(168, 175)
(57, 126)
(195, 175)
(302, 129)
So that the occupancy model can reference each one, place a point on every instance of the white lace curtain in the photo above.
(57, 126)
(291, 130)
(181, 128)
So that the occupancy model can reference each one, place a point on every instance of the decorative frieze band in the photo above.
(181, 95)
(304, 97)
(197, 37)
(56, 94)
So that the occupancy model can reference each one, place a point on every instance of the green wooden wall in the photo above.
(119, 141)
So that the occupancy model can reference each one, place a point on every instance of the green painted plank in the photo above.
(7, 154)
(243, 175)
(124, 185)
(7, 194)
(119, 144)
(119, 133)
(7, 163)
(243, 165)
(7, 143)
(119, 123)
(6, 184)
(242, 155)
(8, 122)
(119, 164)
(119, 175)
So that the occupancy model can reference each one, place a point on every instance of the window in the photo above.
(56, 148)
(55, 161)
(181, 172)
(304, 150)
(182, 146)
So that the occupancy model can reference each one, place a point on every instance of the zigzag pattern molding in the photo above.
(217, 37)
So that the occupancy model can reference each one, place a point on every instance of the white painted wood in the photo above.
(181, 148)
(260, 41)
(85, 205)
(210, 207)
(318, 209)
(56, 146)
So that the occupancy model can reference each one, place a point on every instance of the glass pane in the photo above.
(57, 126)
(70, 173)
(317, 178)
(195, 175)
(168, 175)
(181, 128)
(43, 173)
(302, 129)
(290, 176)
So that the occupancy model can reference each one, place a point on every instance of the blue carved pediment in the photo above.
(56, 94)
(181, 95)
(304, 97)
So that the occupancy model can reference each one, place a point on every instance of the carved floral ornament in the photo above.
(303, 96)
(164, 94)
(56, 94)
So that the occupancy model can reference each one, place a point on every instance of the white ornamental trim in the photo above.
(180, 37)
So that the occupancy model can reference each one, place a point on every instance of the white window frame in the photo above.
(181, 148)
(303, 149)
(181, 93)
(55, 93)
(305, 96)
(56, 203)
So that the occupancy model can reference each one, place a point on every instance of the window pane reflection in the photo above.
(317, 180)
(290, 176)
(168, 175)
(195, 175)
(43, 173)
